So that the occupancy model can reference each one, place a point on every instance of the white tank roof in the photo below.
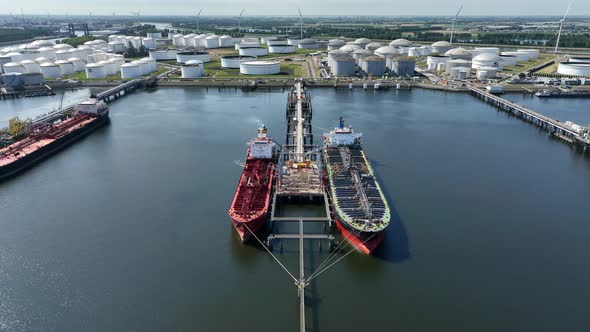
(459, 51)
(194, 62)
(363, 41)
(401, 42)
(62, 46)
(72, 59)
(442, 43)
(212, 37)
(350, 48)
(27, 62)
(362, 51)
(386, 50)
(486, 57)
(48, 64)
(336, 42)
(61, 62)
(128, 65)
(225, 37)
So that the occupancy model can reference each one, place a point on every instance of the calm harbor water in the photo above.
(127, 229)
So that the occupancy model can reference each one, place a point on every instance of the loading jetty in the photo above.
(564, 131)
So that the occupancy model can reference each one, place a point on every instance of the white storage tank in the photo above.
(414, 52)
(153, 65)
(30, 66)
(459, 53)
(212, 41)
(253, 51)
(577, 58)
(308, 44)
(373, 46)
(130, 70)
(148, 43)
(13, 67)
(226, 41)
(533, 54)
(95, 70)
(247, 45)
(508, 60)
(342, 65)
(362, 42)
(164, 55)
(281, 49)
(62, 47)
(265, 39)
(154, 35)
(144, 67)
(250, 40)
(441, 47)
(50, 70)
(574, 68)
(484, 73)
(402, 66)
(66, 67)
(387, 51)
(188, 40)
(457, 63)
(182, 57)
(490, 50)
(358, 55)
(433, 61)
(487, 60)
(63, 54)
(85, 51)
(109, 67)
(116, 47)
(48, 52)
(278, 41)
(78, 63)
(335, 44)
(177, 40)
(293, 41)
(349, 48)
(260, 67)
(112, 38)
(373, 65)
(233, 61)
(42, 59)
(192, 69)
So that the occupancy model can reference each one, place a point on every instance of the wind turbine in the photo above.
(300, 22)
(561, 25)
(199, 14)
(453, 23)
(240, 22)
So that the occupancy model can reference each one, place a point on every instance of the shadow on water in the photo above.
(395, 246)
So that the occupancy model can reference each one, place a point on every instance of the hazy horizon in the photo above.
(308, 7)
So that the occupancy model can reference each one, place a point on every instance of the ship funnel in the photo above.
(341, 123)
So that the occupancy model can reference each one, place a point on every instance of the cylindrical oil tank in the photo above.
(359, 54)
(414, 52)
(62, 46)
(85, 52)
(266, 39)
(13, 79)
(154, 35)
(278, 42)
(153, 65)
(109, 67)
(254, 51)
(13, 67)
(112, 38)
(116, 47)
(577, 58)
(233, 61)
(250, 40)
(96, 70)
(66, 67)
(402, 66)
(212, 41)
(137, 42)
(433, 61)
(332, 54)
(130, 70)
(362, 42)
(30, 66)
(574, 69)
(373, 46)
(4, 60)
(117, 63)
(50, 70)
(490, 72)
(163, 55)
(182, 57)
(33, 78)
(343, 65)
(490, 50)
(533, 54)
(42, 59)
(293, 41)
(335, 44)
(226, 41)
(441, 66)
(149, 43)
(260, 67)
(349, 48)
(63, 54)
(373, 65)
(457, 63)
(459, 53)
(508, 60)
(177, 40)
(48, 52)
(487, 60)
(281, 49)
(441, 47)
(247, 45)
(144, 67)
(308, 44)
(188, 40)
(192, 69)
(78, 63)
(387, 51)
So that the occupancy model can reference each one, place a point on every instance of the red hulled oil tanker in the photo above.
(361, 211)
(250, 207)
(37, 141)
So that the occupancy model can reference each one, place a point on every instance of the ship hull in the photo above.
(250, 207)
(34, 158)
(364, 241)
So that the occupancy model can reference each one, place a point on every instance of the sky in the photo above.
(308, 7)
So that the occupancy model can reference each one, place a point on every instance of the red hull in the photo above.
(249, 208)
(367, 247)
